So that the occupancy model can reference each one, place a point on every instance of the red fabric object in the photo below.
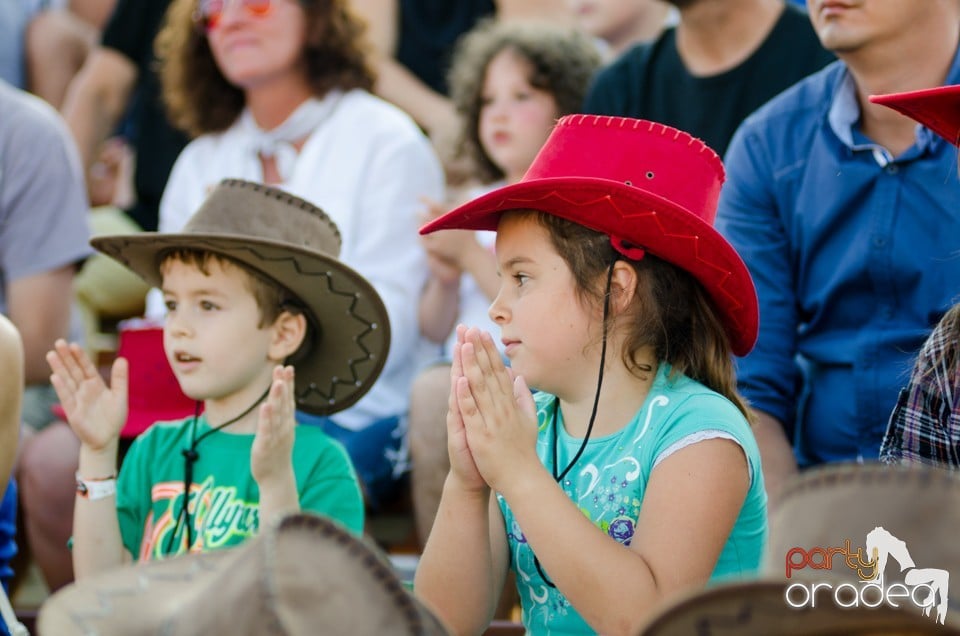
(936, 108)
(154, 393)
(650, 187)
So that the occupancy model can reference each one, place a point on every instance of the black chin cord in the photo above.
(190, 457)
(558, 477)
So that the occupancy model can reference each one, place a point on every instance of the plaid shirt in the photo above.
(925, 425)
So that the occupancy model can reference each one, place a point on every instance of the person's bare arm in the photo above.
(776, 454)
(557, 11)
(464, 563)
(395, 83)
(94, 12)
(97, 542)
(382, 18)
(440, 300)
(481, 263)
(439, 303)
(690, 504)
(96, 413)
(39, 306)
(96, 100)
(11, 394)
(429, 108)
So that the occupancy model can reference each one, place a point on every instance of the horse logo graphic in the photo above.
(884, 545)
(926, 588)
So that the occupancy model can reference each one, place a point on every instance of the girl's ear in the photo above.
(289, 330)
(623, 286)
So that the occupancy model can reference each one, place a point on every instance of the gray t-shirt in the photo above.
(43, 202)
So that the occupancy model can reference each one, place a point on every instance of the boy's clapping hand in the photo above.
(96, 412)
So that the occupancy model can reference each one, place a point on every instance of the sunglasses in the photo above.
(208, 13)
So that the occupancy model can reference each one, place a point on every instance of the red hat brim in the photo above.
(936, 108)
(641, 218)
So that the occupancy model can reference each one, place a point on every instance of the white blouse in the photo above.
(366, 165)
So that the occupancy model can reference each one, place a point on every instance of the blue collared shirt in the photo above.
(855, 254)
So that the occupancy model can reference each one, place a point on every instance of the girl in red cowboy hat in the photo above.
(632, 474)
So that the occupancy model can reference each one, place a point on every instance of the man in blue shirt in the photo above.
(847, 215)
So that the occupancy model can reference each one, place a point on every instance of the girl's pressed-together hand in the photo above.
(462, 464)
(497, 410)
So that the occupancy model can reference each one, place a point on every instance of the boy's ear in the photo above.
(623, 286)
(289, 330)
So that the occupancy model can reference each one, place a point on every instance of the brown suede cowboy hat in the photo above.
(295, 244)
(301, 576)
(828, 519)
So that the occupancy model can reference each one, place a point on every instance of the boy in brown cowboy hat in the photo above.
(254, 292)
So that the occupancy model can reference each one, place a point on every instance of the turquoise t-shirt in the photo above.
(224, 497)
(608, 483)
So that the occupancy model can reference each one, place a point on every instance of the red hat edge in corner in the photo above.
(936, 108)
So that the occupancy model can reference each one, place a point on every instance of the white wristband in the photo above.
(94, 489)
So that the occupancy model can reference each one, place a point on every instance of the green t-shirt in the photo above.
(225, 499)
(609, 480)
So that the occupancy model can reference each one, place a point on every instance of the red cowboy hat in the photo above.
(936, 108)
(643, 184)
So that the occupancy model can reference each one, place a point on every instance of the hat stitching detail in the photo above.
(328, 276)
(286, 197)
(860, 475)
(370, 562)
(720, 619)
(652, 126)
(328, 394)
(104, 609)
(353, 362)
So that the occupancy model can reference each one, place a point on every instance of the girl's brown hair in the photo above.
(200, 100)
(671, 312)
(562, 62)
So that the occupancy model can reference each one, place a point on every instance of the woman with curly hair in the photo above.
(510, 82)
(277, 91)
